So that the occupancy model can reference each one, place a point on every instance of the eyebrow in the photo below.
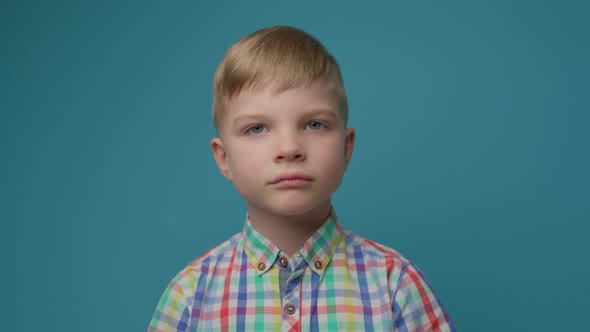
(247, 118)
(322, 111)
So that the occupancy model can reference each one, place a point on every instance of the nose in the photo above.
(289, 148)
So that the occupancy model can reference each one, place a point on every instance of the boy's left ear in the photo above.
(348, 145)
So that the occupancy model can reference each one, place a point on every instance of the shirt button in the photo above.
(261, 266)
(318, 265)
(283, 262)
(290, 309)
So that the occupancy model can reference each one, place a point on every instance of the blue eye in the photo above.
(256, 129)
(315, 125)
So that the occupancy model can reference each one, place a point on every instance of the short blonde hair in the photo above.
(284, 56)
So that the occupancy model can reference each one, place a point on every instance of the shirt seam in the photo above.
(399, 281)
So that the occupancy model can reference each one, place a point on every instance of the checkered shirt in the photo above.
(338, 282)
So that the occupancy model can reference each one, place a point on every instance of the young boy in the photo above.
(280, 110)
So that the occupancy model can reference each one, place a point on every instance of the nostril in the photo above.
(291, 154)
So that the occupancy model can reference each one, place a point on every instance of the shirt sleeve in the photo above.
(173, 312)
(416, 307)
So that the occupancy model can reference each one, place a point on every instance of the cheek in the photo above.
(331, 154)
(244, 160)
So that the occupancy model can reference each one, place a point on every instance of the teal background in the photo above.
(471, 158)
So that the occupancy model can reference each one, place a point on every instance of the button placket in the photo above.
(292, 300)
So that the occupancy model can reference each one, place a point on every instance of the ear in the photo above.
(221, 159)
(348, 145)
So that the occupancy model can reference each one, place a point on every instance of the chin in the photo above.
(295, 207)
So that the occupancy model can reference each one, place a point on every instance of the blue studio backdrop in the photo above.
(471, 157)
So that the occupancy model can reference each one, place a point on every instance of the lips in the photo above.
(291, 179)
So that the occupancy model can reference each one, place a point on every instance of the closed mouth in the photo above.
(294, 178)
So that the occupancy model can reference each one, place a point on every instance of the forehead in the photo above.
(266, 98)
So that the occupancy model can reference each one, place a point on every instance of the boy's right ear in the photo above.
(221, 159)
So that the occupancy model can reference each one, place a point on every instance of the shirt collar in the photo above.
(317, 251)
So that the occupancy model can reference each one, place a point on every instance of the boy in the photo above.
(280, 110)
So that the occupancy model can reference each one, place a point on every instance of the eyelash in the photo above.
(249, 130)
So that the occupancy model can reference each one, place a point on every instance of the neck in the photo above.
(289, 233)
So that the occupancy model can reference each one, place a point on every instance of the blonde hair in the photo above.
(284, 56)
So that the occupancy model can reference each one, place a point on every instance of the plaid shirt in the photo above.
(337, 281)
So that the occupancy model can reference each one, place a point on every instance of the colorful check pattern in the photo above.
(338, 282)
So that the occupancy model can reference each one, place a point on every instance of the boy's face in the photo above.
(285, 152)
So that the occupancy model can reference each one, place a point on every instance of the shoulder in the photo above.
(376, 255)
(221, 254)
(178, 299)
(373, 249)
(415, 305)
(220, 251)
